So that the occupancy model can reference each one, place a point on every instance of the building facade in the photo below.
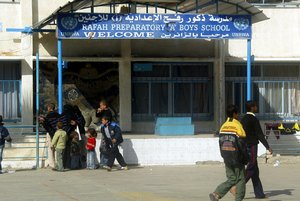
(145, 79)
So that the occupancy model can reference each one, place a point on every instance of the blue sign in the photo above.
(152, 26)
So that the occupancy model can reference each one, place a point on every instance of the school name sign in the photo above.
(152, 26)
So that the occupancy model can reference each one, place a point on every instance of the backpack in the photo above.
(233, 149)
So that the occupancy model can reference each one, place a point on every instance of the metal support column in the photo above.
(37, 91)
(249, 94)
(59, 74)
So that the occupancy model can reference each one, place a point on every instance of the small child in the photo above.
(59, 144)
(75, 151)
(104, 153)
(90, 146)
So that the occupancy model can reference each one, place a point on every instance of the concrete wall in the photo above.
(159, 151)
(278, 37)
(10, 17)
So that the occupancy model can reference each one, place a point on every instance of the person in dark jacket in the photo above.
(50, 120)
(254, 135)
(112, 135)
(104, 111)
(4, 136)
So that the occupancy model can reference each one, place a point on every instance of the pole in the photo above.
(59, 74)
(37, 91)
(249, 94)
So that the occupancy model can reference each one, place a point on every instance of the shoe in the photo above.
(123, 168)
(213, 197)
(262, 197)
(107, 168)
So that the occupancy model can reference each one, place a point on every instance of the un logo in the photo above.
(241, 23)
(69, 23)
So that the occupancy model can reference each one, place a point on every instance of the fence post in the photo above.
(37, 69)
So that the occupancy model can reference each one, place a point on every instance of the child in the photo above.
(112, 135)
(59, 144)
(75, 151)
(90, 146)
(104, 153)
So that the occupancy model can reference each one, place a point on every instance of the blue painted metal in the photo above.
(174, 126)
(249, 92)
(59, 65)
(27, 30)
(168, 26)
(37, 71)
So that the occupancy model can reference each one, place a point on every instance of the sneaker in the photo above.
(107, 168)
(123, 168)
(213, 197)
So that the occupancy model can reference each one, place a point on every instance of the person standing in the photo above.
(90, 146)
(234, 154)
(49, 123)
(4, 136)
(104, 111)
(255, 135)
(59, 144)
(112, 135)
(75, 151)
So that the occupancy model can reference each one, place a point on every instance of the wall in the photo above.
(10, 17)
(278, 37)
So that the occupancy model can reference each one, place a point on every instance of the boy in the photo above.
(59, 144)
(112, 135)
(234, 156)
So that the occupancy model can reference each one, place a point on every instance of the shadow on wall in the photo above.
(129, 153)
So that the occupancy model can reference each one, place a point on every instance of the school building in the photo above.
(143, 79)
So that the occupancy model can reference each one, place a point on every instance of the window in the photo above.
(276, 89)
(171, 89)
(10, 90)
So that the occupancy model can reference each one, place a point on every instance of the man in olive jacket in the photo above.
(59, 144)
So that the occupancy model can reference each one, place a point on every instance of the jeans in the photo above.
(103, 159)
(91, 154)
(59, 159)
(1, 153)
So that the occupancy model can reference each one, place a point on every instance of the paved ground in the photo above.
(158, 183)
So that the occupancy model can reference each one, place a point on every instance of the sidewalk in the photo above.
(157, 183)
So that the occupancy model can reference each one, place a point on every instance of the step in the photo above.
(174, 130)
(173, 120)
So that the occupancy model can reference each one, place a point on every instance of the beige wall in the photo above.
(10, 17)
(278, 37)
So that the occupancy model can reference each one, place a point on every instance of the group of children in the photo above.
(111, 138)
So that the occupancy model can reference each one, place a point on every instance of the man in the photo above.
(49, 123)
(112, 135)
(50, 120)
(59, 144)
(4, 136)
(254, 134)
(232, 152)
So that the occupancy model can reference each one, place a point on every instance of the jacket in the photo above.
(60, 139)
(114, 133)
(253, 130)
(232, 146)
(4, 135)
